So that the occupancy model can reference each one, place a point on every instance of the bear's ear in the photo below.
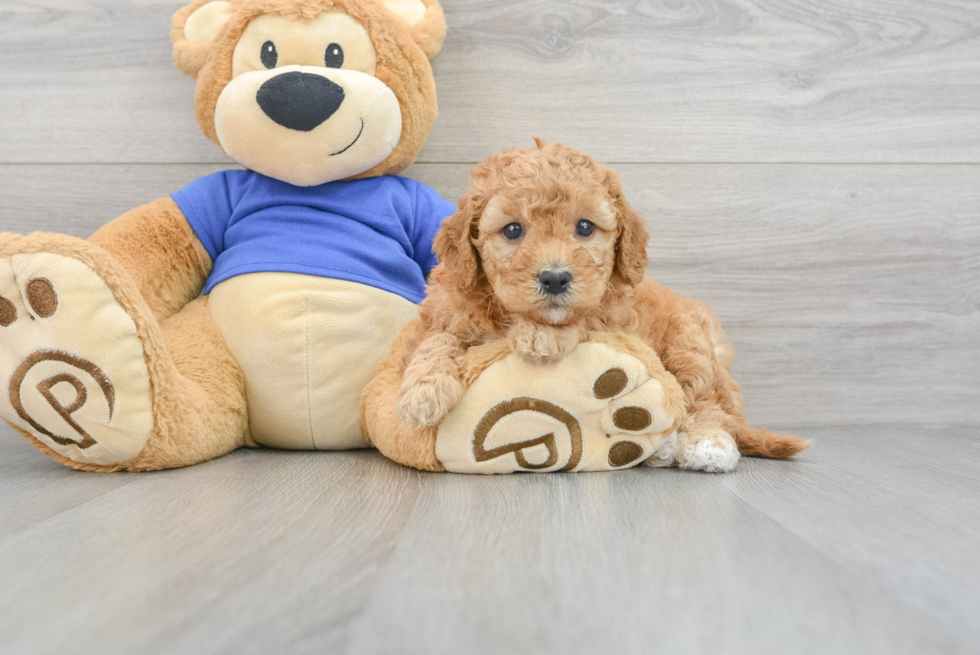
(424, 20)
(195, 28)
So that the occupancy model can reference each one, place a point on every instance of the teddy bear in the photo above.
(253, 306)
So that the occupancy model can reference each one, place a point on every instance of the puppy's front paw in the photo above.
(424, 403)
(543, 342)
(711, 451)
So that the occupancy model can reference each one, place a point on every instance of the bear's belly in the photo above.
(307, 346)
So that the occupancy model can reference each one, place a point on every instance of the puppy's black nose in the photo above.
(554, 283)
(299, 101)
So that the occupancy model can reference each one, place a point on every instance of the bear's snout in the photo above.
(299, 101)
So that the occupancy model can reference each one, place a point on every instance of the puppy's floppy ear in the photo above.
(631, 246)
(195, 28)
(424, 20)
(454, 248)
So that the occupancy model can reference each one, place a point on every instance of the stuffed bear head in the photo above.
(312, 91)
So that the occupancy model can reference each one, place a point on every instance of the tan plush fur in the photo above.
(430, 32)
(189, 57)
(158, 248)
(486, 288)
(202, 395)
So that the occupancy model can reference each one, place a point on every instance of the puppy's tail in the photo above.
(757, 442)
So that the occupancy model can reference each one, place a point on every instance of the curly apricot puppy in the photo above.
(544, 248)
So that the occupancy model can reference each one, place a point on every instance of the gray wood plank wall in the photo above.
(809, 167)
(652, 80)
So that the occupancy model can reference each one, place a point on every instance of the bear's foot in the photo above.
(73, 372)
(597, 409)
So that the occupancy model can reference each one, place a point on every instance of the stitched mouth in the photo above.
(359, 133)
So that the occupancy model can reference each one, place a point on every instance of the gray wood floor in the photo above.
(810, 167)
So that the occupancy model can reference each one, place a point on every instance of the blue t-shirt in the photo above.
(377, 231)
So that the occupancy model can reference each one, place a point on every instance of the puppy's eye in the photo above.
(334, 57)
(513, 231)
(269, 55)
(584, 228)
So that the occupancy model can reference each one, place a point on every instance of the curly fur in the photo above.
(485, 288)
(431, 384)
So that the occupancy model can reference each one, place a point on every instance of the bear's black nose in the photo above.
(554, 283)
(299, 101)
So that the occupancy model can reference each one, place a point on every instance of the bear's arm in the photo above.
(158, 248)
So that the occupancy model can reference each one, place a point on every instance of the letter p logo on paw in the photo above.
(46, 387)
(72, 369)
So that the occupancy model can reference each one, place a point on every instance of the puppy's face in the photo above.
(547, 235)
(549, 254)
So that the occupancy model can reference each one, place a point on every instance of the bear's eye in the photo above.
(270, 57)
(334, 57)
(584, 228)
(513, 231)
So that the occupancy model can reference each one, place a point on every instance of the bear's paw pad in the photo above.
(594, 410)
(72, 369)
